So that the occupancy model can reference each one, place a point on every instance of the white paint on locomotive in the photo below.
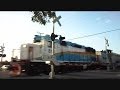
(42, 51)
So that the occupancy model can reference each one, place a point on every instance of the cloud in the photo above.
(107, 21)
(98, 18)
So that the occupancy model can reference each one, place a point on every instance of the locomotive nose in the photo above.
(15, 70)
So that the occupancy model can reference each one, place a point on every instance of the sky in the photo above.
(17, 28)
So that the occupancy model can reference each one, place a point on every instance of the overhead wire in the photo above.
(94, 34)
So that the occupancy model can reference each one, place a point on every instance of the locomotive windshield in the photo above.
(37, 38)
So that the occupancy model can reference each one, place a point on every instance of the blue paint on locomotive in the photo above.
(71, 57)
(68, 57)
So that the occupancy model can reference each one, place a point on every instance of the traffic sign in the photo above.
(57, 20)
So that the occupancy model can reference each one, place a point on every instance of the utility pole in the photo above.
(55, 19)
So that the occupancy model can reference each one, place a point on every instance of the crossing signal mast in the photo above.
(53, 36)
(108, 61)
(2, 52)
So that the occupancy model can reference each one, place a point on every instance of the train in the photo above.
(67, 57)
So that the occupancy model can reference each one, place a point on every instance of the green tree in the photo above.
(43, 17)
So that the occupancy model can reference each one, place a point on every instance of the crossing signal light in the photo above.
(61, 38)
(53, 36)
(2, 55)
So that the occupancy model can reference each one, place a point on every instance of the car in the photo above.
(5, 67)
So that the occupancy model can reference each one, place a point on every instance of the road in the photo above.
(74, 75)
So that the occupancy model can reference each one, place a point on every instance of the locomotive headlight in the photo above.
(24, 46)
(47, 62)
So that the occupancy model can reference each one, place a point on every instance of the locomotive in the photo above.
(67, 57)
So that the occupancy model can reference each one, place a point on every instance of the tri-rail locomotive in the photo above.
(67, 57)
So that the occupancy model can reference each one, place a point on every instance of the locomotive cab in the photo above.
(30, 52)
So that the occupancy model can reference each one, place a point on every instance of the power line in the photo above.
(95, 34)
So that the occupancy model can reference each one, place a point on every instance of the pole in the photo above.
(53, 41)
(108, 63)
(1, 57)
(52, 65)
(13, 52)
(2, 50)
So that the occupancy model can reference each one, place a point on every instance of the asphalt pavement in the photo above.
(92, 74)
